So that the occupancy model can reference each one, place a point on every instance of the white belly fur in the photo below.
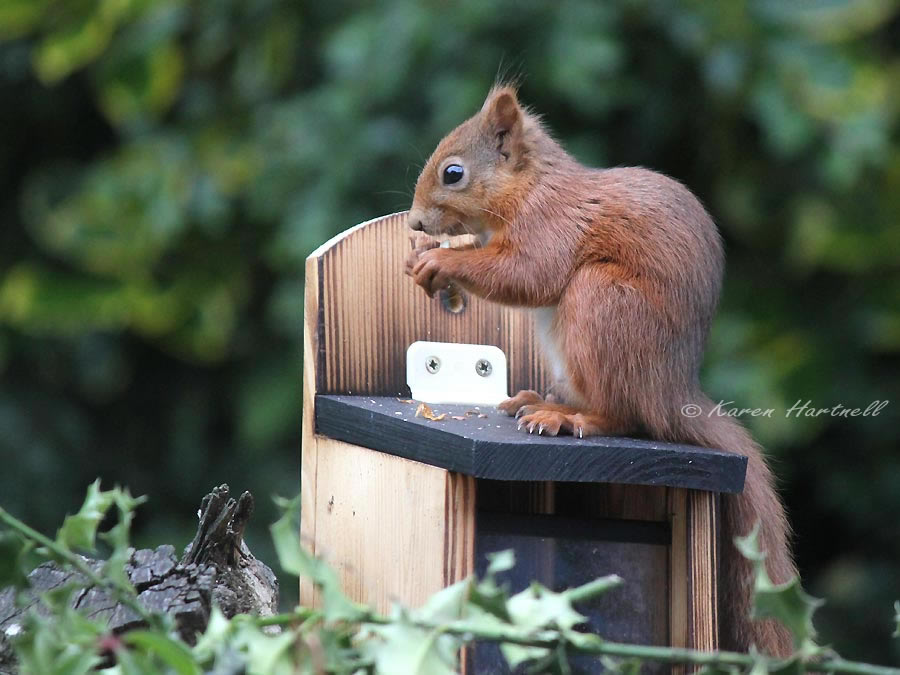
(545, 326)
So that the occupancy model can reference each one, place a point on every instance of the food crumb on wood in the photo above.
(424, 410)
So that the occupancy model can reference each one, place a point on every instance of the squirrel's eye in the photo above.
(453, 174)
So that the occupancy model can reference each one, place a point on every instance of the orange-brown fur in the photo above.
(627, 266)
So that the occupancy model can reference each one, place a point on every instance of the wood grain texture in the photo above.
(693, 569)
(703, 539)
(372, 311)
(309, 441)
(679, 574)
(459, 527)
(493, 448)
(393, 529)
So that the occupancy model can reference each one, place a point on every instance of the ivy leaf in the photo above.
(786, 602)
(79, 531)
(336, 606)
(13, 571)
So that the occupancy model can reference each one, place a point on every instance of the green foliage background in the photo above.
(166, 166)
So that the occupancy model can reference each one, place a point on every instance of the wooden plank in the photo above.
(459, 527)
(703, 538)
(693, 570)
(373, 312)
(679, 577)
(393, 529)
(493, 448)
(309, 444)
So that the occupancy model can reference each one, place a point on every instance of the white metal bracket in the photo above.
(449, 372)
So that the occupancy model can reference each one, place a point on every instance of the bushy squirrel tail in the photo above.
(758, 503)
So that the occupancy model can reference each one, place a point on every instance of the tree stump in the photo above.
(216, 568)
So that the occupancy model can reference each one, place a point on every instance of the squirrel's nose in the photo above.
(414, 220)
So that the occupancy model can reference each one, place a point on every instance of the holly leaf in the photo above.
(294, 559)
(401, 648)
(535, 609)
(718, 669)
(264, 653)
(119, 536)
(213, 638)
(13, 570)
(786, 602)
(79, 531)
(173, 653)
(621, 666)
(447, 605)
(500, 561)
(487, 594)
(538, 607)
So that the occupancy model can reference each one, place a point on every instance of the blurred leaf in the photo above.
(61, 643)
(487, 594)
(18, 17)
(173, 653)
(404, 649)
(79, 531)
(13, 571)
(293, 559)
(786, 603)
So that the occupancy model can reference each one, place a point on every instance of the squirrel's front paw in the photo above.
(431, 271)
(420, 243)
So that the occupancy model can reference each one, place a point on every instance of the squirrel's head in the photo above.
(476, 172)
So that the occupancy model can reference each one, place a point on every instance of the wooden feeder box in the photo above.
(402, 506)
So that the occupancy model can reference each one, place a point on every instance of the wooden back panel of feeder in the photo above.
(370, 311)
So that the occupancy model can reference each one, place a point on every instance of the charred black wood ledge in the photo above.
(492, 447)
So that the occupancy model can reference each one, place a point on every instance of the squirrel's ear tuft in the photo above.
(501, 109)
(503, 119)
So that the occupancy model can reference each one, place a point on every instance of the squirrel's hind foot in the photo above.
(551, 419)
(511, 406)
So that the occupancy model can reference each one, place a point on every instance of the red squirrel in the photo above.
(623, 269)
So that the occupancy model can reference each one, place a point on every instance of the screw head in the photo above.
(432, 364)
(483, 367)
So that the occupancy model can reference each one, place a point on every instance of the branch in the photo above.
(591, 644)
